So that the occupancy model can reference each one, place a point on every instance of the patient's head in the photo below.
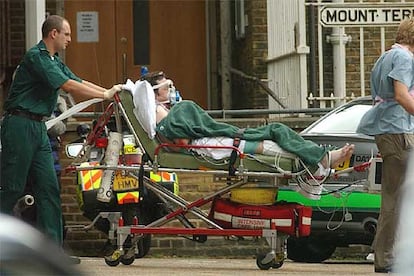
(160, 84)
(154, 78)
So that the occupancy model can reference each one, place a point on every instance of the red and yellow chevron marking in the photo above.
(90, 180)
(169, 179)
(127, 197)
(163, 176)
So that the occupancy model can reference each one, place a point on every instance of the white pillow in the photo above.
(144, 102)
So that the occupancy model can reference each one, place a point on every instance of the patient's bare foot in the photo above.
(338, 156)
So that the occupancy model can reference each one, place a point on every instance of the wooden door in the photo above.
(175, 37)
(178, 44)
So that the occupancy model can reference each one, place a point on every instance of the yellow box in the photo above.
(254, 195)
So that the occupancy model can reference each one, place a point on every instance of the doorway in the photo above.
(172, 38)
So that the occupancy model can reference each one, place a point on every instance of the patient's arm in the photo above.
(182, 141)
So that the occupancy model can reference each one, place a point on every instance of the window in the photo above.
(141, 32)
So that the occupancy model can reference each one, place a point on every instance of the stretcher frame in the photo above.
(119, 233)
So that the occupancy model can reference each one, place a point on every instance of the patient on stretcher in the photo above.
(187, 123)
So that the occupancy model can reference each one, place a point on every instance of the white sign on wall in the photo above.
(363, 15)
(87, 23)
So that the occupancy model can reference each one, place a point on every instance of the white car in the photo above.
(352, 217)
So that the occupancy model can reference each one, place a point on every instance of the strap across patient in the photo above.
(233, 155)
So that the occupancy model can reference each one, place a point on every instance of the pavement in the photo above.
(220, 266)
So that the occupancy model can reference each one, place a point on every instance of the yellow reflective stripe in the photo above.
(96, 178)
(155, 177)
(166, 177)
(86, 179)
(163, 176)
(90, 180)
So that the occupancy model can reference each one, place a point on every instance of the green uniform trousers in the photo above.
(26, 151)
(394, 149)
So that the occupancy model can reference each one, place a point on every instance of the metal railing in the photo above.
(226, 113)
(345, 15)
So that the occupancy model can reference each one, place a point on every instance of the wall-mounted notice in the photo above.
(87, 26)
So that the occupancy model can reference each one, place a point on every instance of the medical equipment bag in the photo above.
(291, 218)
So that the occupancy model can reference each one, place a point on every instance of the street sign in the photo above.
(363, 15)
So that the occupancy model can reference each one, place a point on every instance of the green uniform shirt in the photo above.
(37, 80)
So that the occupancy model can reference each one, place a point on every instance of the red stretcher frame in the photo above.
(119, 232)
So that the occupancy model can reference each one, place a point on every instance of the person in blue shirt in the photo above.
(391, 121)
(25, 144)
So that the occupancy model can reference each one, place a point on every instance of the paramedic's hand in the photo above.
(109, 93)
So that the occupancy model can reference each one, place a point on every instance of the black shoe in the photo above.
(383, 270)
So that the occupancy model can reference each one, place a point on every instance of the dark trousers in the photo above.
(26, 149)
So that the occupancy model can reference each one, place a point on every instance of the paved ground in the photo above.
(202, 266)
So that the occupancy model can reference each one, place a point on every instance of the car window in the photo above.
(344, 120)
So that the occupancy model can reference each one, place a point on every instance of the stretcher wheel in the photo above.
(261, 265)
(143, 246)
(111, 262)
(278, 261)
(277, 264)
(114, 259)
(127, 261)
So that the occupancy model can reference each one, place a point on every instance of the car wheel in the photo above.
(309, 249)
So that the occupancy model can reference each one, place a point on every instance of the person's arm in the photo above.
(92, 85)
(81, 89)
(89, 90)
(403, 97)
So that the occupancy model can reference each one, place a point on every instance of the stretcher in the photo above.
(240, 171)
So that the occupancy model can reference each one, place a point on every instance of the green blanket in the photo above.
(188, 120)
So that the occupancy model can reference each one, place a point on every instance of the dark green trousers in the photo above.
(26, 150)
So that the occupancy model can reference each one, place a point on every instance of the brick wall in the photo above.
(253, 49)
(17, 31)
(372, 52)
(372, 48)
(12, 43)
(14, 40)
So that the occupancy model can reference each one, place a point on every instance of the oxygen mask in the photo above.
(173, 95)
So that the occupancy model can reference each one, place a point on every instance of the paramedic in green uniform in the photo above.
(25, 144)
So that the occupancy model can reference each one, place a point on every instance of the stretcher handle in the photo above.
(101, 123)
(362, 167)
(117, 98)
(165, 145)
(359, 168)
